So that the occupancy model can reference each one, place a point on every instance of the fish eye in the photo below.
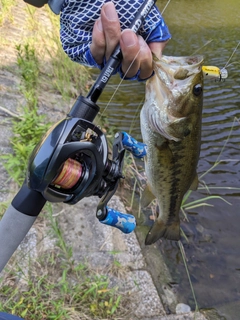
(197, 90)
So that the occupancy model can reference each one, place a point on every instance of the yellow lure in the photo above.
(215, 72)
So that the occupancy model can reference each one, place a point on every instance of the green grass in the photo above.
(28, 129)
(68, 78)
(3, 207)
(5, 10)
(28, 64)
(27, 132)
(61, 75)
(51, 291)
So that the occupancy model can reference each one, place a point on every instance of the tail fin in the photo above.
(161, 230)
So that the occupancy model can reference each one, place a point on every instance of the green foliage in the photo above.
(3, 207)
(188, 274)
(30, 127)
(5, 10)
(60, 293)
(29, 66)
(27, 132)
(29, 69)
(57, 234)
(67, 77)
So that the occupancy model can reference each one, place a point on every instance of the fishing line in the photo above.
(114, 93)
(223, 71)
(136, 114)
(232, 55)
(217, 161)
(118, 86)
(216, 72)
(69, 175)
(208, 42)
(188, 274)
(165, 6)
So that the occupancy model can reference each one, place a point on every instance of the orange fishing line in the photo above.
(69, 175)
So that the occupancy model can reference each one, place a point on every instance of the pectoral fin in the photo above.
(179, 129)
(194, 184)
(147, 197)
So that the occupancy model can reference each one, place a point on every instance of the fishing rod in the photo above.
(71, 162)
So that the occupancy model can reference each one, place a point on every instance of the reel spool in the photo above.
(70, 174)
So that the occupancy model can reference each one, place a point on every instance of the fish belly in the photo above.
(170, 170)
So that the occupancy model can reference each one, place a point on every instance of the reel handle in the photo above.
(138, 149)
(124, 222)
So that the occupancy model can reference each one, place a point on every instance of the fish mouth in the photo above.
(169, 93)
(171, 69)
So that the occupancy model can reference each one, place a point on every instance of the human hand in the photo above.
(137, 55)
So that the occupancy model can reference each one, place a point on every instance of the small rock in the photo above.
(182, 308)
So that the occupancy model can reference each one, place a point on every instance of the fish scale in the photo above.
(171, 128)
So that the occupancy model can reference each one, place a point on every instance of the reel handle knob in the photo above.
(138, 149)
(124, 222)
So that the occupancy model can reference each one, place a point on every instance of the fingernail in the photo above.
(99, 25)
(128, 38)
(110, 11)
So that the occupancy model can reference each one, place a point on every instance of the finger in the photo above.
(130, 50)
(145, 57)
(157, 48)
(111, 27)
(98, 44)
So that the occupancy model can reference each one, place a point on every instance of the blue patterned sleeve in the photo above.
(77, 19)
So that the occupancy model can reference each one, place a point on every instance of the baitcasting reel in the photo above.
(71, 163)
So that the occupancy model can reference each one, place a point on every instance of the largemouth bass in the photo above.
(171, 127)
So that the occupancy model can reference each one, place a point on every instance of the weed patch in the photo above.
(27, 132)
(29, 128)
(28, 64)
(53, 292)
(5, 10)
